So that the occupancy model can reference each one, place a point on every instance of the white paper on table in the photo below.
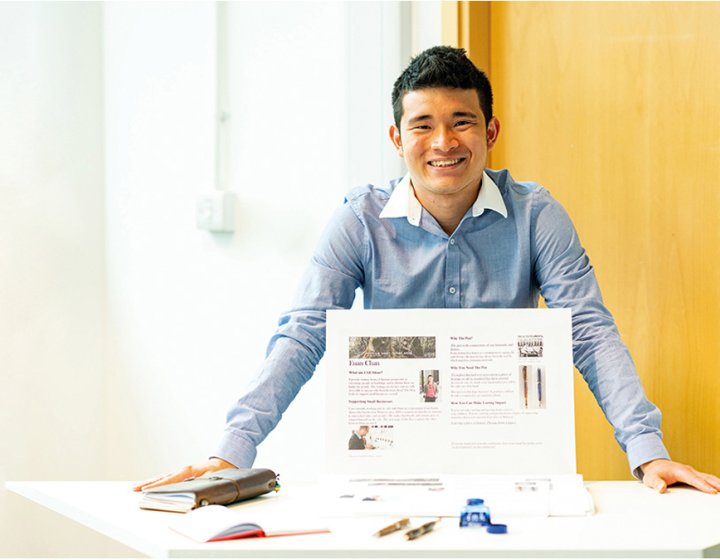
(445, 495)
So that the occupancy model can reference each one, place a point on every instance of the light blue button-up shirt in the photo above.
(514, 244)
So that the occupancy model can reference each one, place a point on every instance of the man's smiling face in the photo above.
(445, 142)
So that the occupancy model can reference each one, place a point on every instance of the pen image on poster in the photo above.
(441, 390)
(532, 382)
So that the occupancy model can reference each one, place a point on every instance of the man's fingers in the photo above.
(169, 479)
(701, 481)
(190, 471)
(177, 476)
(707, 483)
(705, 486)
(713, 481)
(655, 482)
(662, 473)
(145, 483)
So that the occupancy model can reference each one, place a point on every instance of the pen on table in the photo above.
(420, 531)
(392, 528)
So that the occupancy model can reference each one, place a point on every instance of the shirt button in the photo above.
(452, 242)
(452, 289)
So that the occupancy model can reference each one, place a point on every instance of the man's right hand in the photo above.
(191, 471)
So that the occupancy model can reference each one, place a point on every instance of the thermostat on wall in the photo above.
(216, 212)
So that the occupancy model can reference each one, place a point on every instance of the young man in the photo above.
(357, 439)
(450, 234)
(430, 389)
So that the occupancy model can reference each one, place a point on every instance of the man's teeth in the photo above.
(445, 162)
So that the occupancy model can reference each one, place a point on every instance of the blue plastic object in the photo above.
(475, 514)
(497, 528)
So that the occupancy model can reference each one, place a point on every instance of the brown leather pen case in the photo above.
(223, 487)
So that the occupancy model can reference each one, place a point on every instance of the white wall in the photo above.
(426, 25)
(52, 269)
(126, 332)
(159, 96)
(191, 313)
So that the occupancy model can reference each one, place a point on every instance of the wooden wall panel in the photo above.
(467, 25)
(615, 107)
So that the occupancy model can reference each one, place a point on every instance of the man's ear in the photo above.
(396, 140)
(493, 131)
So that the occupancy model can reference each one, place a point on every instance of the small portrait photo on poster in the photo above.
(430, 385)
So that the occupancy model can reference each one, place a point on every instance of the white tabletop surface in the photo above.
(630, 521)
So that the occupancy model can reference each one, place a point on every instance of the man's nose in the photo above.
(444, 139)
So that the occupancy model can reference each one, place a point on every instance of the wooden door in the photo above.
(615, 108)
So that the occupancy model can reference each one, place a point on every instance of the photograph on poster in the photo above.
(532, 386)
(370, 437)
(391, 347)
(530, 346)
(430, 385)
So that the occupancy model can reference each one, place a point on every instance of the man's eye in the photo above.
(421, 127)
(464, 123)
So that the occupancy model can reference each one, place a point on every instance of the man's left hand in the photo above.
(661, 473)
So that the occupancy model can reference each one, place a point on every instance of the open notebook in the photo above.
(219, 523)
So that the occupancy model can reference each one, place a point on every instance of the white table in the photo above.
(631, 521)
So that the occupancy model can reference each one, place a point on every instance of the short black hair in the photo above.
(442, 67)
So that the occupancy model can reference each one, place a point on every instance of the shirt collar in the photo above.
(489, 198)
(403, 203)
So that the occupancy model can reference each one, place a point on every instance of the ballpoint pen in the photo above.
(525, 385)
(539, 386)
(413, 534)
(392, 528)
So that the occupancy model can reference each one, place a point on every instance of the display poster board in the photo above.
(451, 391)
